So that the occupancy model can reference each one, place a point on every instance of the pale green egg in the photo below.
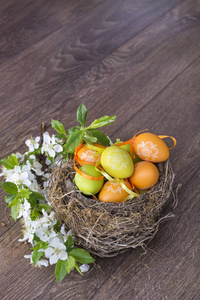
(88, 186)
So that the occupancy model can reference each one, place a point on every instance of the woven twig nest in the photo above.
(106, 229)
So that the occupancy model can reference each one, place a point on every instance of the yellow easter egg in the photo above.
(117, 162)
(145, 175)
(150, 147)
(113, 192)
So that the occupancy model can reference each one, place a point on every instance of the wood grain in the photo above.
(25, 23)
(60, 63)
(139, 60)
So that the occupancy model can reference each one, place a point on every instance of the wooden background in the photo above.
(138, 59)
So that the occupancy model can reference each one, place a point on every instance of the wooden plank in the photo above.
(71, 51)
(26, 23)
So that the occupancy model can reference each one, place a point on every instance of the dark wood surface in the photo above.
(139, 60)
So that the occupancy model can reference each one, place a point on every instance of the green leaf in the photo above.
(15, 211)
(46, 207)
(103, 121)
(36, 256)
(56, 226)
(6, 164)
(58, 126)
(9, 187)
(40, 245)
(32, 200)
(10, 162)
(13, 159)
(69, 243)
(73, 129)
(15, 201)
(60, 136)
(78, 269)
(36, 239)
(25, 193)
(89, 137)
(60, 270)
(38, 195)
(101, 137)
(82, 114)
(9, 198)
(34, 214)
(73, 141)
(81, 256)
(70, 263)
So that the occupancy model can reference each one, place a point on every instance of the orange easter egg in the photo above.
(113, 192)
(145, 175)
(150, 147)
(88, 155)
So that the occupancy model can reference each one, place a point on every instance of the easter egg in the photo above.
(88, 155)
(88, 186)
(113, 192)
(150, 147)
(145, 175)
(117, 162)
(127, 147)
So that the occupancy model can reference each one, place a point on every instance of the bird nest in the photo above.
(106, 229)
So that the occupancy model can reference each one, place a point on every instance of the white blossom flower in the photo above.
(33, 143)
(45, 234)
(28, 231)
(35, 186)
(20, 156)
(37, 167)
(55, 251)
(50, 146)
(19, 175)
(84, 268)
(24, 210)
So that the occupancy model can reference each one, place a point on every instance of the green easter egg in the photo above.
(88, 186)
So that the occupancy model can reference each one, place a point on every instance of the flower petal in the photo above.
(63, 255)
(54, 243)
(48, 252)
(58, 148)
(37, 139)
(84, 268)
(53, 259)
(52, 153)
(61, 246)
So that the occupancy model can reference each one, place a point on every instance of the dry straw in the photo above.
(106, 229)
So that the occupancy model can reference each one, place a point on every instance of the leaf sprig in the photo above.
(76, 135)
